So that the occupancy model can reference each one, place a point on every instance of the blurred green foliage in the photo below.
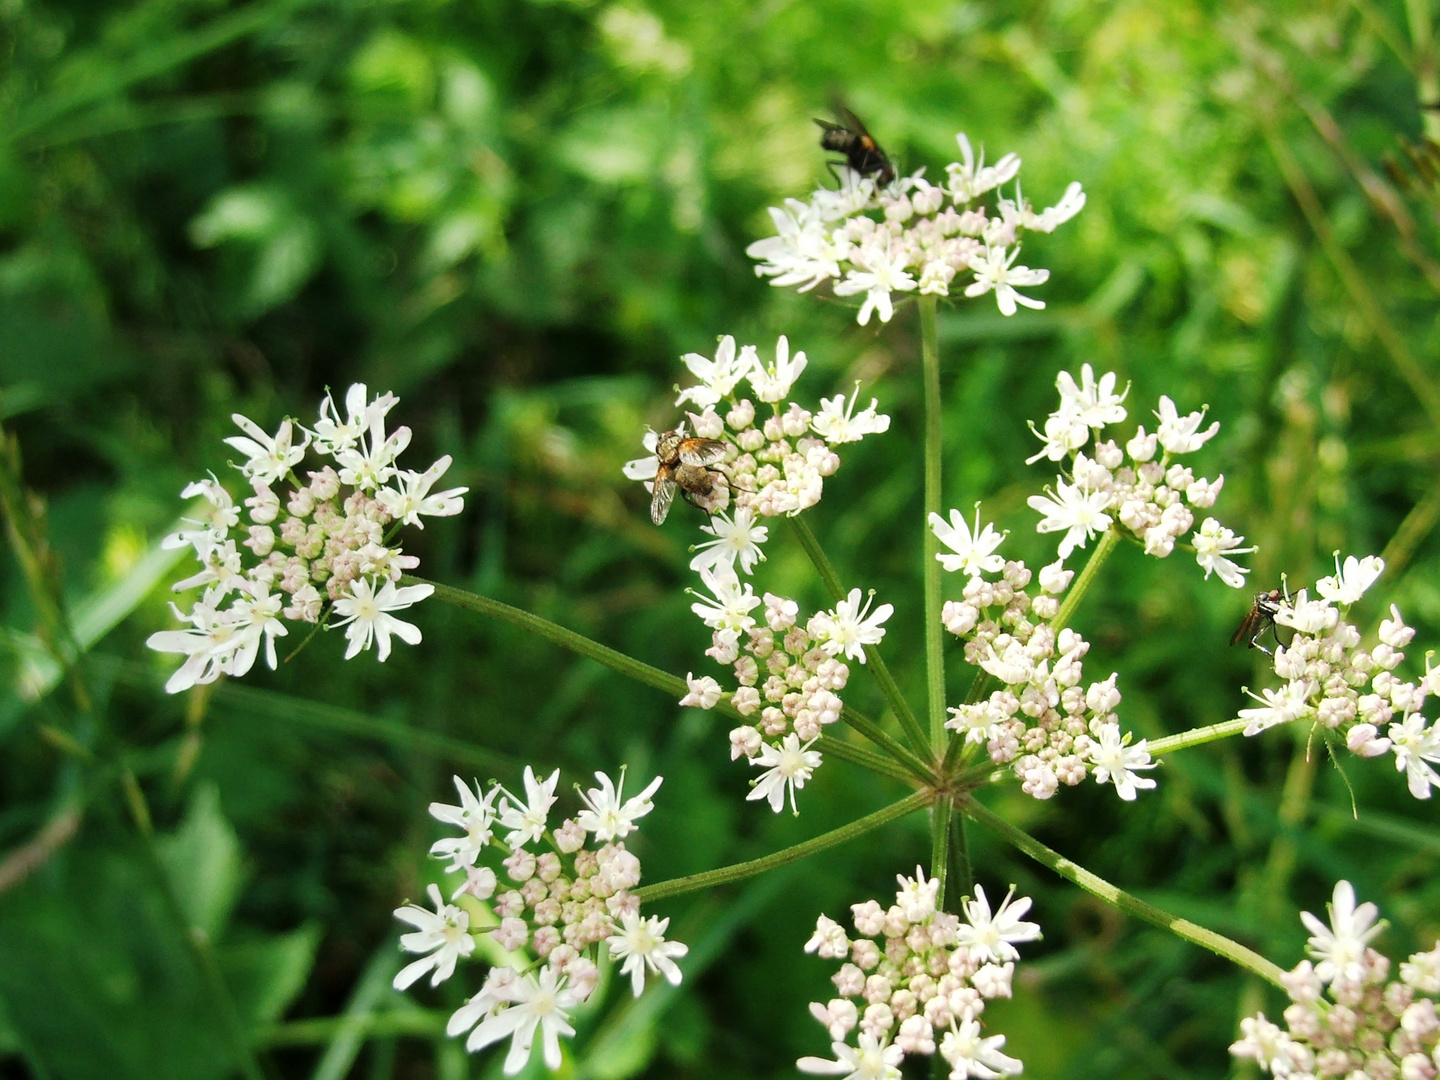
(517, 215)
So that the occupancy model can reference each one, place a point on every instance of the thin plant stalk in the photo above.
(940, 815)
(1081, 585)
(888, 687)
(1097, 886)
(1196, 737)
(934, 641)
(725, 875)
(641, 671)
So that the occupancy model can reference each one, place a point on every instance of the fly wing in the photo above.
(701, 451)
(1248, 625)
(665, 489)
(853, 122)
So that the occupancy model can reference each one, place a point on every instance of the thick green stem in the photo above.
(740, 871)
(1196, 737)
(908, 723)
(1108, 542)
(1133, 905)
(940, 815)
(934, 631)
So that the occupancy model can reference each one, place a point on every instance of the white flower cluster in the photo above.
(555, 905)
(1332, 682)
(789, 675)
(912, 236)
(1139, 490)
(322, 550)
(1371, 1027)
(1043, 723)
(777, 463)
(915, 975)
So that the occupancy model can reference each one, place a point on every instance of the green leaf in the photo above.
(202, 859)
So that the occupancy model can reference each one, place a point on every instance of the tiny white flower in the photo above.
(1065, 432)
(527, 821)
(974, 552)
(1291, 702)
(443, 933)
(1340, 947)
(971, 1055)
(718, 377)
(333, 434)
(222, 516)
(606, 815)
(1052, 217)
(1095, 404)
(641, 943)
(1351, 580)
(1181, 434)
(1214, 543)
(368, 614)
(835, 424)
(878, 275)
(991, 937)
(267, 459)
(476, 815)
(873, 1059)
(772, 382)
(732, 603)
(788, 766)
(850, 627)
(997, 270)
(1080, 513)
(1416, 746)
(737, 539)
(969, 178)
(644, 468)
(538, 1003)
(704, 693)
(1117, 763)
(1271, 1047)
(414, 499)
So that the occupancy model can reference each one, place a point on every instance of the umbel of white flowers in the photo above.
(557, 898)
(312, 552)
(1347, 1017)
(913, 236)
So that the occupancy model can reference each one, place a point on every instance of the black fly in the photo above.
(862, 153)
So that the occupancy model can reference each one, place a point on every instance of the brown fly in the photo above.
(862, 153)
(685, 467)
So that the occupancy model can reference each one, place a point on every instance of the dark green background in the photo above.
(517, 216)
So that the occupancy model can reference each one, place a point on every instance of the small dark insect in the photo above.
(684, 466)
(1258, 619)
(862, 152)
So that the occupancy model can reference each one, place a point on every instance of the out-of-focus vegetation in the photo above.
(517, 216)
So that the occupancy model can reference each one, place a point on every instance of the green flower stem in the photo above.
(640, 671)
(865, 758)
(1196, 737)
(940, 816)
(962, 874)
(1097, 886)
(934, 640)
(1082, 584)
(740, 871)
(914, 733)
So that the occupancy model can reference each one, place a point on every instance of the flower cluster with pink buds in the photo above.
(318, 551)
(1347, 1017)
(1336, 685)
(1139, 489)
(777, 459)
(915, 981)
(789, 675)
(1043, 722)
(555, 899)
(912, 236)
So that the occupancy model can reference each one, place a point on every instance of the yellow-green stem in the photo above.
(1108, 542)
(1196, 737)
(1117, 897)
(940, 814)
(709, 879)
(934, 631)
